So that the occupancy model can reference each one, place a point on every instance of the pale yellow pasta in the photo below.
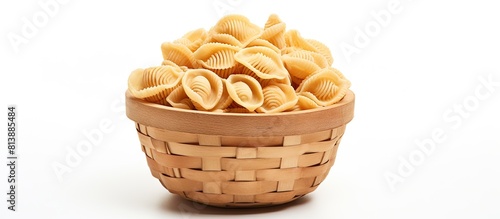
(239, 27)
(239, 67)
(298, 67)
(266, 82)
(180, 54)
(154, 84)
(179, 99)
(264, 43)
(264, 62)
(278, 98)
(245, 91)
(170, 63)
(224, 38)
(225, 100)
(322, 49)
(314, 57)
(294, 39)
(203, 87)
(193, 39)
(288, 50)
(218, 57)
(274, 31)
(304, 103)
(324, 87)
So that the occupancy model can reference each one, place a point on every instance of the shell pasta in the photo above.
(239, 67)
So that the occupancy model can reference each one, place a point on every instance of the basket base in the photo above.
(240, 204)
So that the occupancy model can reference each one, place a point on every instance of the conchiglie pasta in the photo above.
(178, 53)
(264, 43)
(217, 57)
(278, 98)
(225, 100)
(193, 39)
(324, 87)
(305, 103)
(322, 49)
(263, 61)
(224, 38)
(298, 67)
(245, 91)
(274, 31)
(294, 39)
(239, 27)
(154, 84)
(170, 63)
(179, 99)
(239, 67)
(203, 87)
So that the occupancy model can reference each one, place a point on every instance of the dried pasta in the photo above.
(239, 67)
(178, 53)
(245, 91)
(274, 31)
(239, 27)
(179, 99)
(154, 84)
(218, 57)
(193, 39)
(263, 61)
(264, 43)
(324, 87)
(203, 87)
(278, 98)
(224, 38)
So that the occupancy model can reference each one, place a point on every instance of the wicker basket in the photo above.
(240, 160)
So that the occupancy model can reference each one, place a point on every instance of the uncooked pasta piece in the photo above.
(225, 99)
(324, 87)
(278, 98)
(322, 49)
(266, 82)
(264, 43)
(274, 31)
(314, 57)
(272, 20)
(239, 27)
(294, 39)
(245, 91)
(203, 87)
(305, 103)
(218, 57)
(170, 63)
(179, 99)
(193, 39)
(154, 84)
(224, 38)
(264, 62)
(288, 50)
(180, 54)
(299, 67)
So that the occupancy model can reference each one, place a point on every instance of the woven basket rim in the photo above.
(240, 124)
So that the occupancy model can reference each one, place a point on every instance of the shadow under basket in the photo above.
(237, 159)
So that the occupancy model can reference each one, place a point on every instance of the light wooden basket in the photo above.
(240, 160)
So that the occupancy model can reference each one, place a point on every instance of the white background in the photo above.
(71, 75)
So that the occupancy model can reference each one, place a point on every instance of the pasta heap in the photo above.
(239, 67)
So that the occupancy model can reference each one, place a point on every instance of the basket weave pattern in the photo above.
(239, 160)
(208, 169)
